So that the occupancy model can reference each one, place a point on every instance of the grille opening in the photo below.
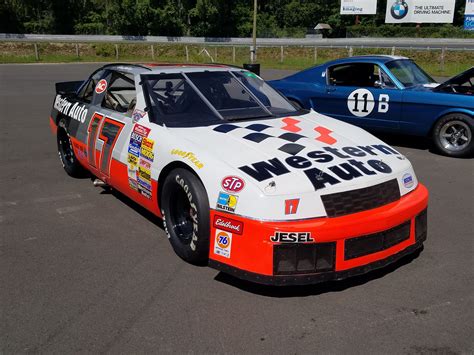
(291, 259)
(421, 226)
(347, 202)
(372, 243)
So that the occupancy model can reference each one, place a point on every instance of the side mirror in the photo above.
(379, 84)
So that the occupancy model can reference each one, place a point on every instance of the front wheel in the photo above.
(452, 135)
(185, 210)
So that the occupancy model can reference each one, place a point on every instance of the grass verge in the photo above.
(292, 57)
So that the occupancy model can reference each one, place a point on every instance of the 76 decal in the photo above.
(361, 103)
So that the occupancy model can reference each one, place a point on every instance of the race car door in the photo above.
(362, 94)
(111, 123)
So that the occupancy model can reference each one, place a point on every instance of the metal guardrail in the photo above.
(412, 43)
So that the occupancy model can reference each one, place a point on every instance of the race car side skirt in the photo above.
(307, 279)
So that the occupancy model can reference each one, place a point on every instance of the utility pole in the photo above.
(253, 52)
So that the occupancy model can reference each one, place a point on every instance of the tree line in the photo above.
(208, 18)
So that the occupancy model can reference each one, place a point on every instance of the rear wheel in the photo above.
(66, 154)
(453, 135)
(185, 209)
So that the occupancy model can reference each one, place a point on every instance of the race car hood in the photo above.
(299, 154)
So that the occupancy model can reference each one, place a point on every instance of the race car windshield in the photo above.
(408, 73)
(205, 98)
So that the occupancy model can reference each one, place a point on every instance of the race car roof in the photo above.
(158, 68)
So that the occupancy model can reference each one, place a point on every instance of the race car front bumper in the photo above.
(343, 246)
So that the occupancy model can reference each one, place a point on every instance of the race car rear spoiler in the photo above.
(68, 87)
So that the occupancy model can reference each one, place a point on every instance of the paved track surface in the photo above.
(84, 270)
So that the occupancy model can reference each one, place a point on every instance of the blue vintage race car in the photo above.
(389, 94)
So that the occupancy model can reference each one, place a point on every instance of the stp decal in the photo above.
(227, 202)
(232, 184)
(291, 206)
(223, 243)
(101, 86)
(291, 237)
(228, 224)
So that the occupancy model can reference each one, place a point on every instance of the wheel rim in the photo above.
(455, 135)
(180, 216)
(66, 152)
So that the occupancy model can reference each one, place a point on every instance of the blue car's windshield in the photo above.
(408, 73)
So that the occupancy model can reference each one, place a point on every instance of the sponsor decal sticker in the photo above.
(291, 206)
(76, 111)
(223, 243)
(408, 180)
(291, 237)
(101, 86)
(232, 184)
(228, 224)
(189, 156)
(140, 157)
(311, 163)
(137, 115)
(227, 202)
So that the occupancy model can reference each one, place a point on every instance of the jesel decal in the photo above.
(291, 237)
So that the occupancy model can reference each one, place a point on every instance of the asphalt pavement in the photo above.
(83, 270)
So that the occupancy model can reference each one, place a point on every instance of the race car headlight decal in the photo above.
(291, 259)
(421, 226)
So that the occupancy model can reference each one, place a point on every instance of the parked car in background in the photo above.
(389, 94)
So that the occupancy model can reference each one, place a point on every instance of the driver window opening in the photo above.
(360, 75)
(121, 94)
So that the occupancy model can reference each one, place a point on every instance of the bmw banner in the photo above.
(358, 7)
(420, 11)
(469, 15)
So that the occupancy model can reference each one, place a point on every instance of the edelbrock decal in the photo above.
(332, 175)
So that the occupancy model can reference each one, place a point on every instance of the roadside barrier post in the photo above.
(187, 53)
(36, 53)
(443, 54)
(315, 55)
(351, 51)
(281, 54)
(393, 50)
(233, 54)
(77, 50)
(152, 52)
(116, 52)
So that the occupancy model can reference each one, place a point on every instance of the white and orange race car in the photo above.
(243, 180)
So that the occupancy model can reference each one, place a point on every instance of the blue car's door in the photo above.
(361, 94)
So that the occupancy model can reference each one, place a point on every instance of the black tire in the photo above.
(453, 135)
(296, 104)
(66, 154)
(186, 215)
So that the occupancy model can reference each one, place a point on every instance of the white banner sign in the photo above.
(358, 7)
(420, 11)
(469, 7)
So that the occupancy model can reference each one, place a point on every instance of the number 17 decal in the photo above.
(108, 131)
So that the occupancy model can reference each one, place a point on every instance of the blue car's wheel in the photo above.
(453, 135)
